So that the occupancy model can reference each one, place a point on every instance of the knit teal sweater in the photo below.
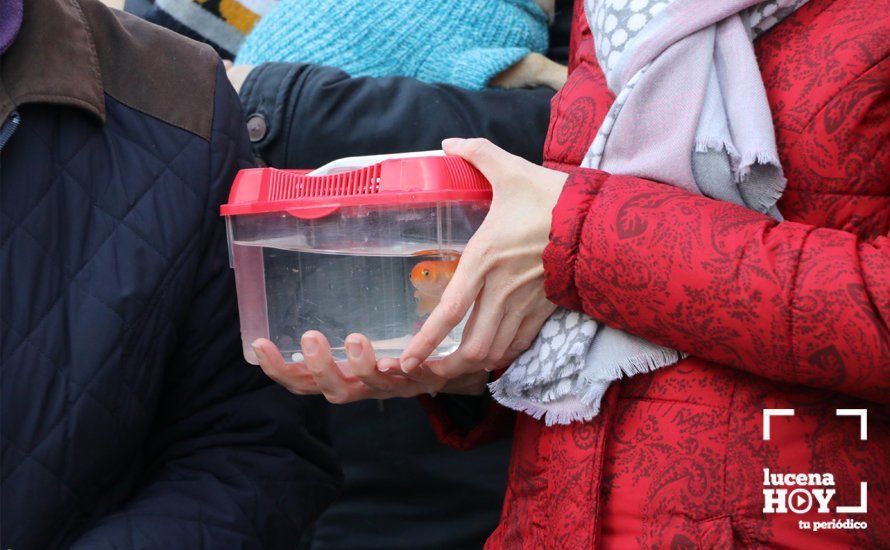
(460, 42)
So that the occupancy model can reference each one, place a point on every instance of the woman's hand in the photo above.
(500, 274)
(532, 70)
(361, 377)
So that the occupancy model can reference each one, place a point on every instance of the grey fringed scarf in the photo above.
(686, 79)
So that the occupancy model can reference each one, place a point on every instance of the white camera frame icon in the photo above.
(862, 508)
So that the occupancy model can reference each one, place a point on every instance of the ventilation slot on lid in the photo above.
(284, 185)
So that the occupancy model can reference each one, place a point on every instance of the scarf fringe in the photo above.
(743, 170)
(741, 166)
(769, 195)
(715, 143)
(630, 366)
(587, 407)
(551, 413)
(554, 393)
(551, 389)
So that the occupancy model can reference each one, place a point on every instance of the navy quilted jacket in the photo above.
(129, 418)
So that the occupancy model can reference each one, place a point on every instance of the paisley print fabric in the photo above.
(776, 315)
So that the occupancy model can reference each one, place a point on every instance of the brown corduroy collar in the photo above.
(77, 52)
(53, 60)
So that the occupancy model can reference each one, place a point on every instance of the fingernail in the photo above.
(310, 345)
(450, 142)
(353, 348)
(258, 351)
(387, 365)
(408, 365)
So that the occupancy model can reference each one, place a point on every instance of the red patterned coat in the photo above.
(789, 315)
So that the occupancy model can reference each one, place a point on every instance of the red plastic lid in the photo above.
(401, 181)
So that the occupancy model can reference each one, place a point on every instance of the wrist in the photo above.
(548, 188)
(551, 186)
(550, 73)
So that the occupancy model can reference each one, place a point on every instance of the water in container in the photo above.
(343, 259)
(340, 293)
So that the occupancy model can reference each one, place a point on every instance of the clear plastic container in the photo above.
(350, 248)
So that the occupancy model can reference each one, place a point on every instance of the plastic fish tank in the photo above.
(364, 244)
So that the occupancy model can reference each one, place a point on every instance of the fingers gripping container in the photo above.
(365, 245)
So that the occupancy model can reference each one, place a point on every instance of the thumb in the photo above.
(491, 160)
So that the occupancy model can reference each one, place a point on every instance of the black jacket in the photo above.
(129, 419)
(302, 115)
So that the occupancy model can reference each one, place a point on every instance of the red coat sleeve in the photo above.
(496, 423)
(787, 301)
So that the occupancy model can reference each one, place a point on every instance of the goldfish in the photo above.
(430, 277)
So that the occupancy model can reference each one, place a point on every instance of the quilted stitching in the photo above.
(31, 448)
(122, 220)
(129, 417)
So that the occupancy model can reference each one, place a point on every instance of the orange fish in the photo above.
(430, 277)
